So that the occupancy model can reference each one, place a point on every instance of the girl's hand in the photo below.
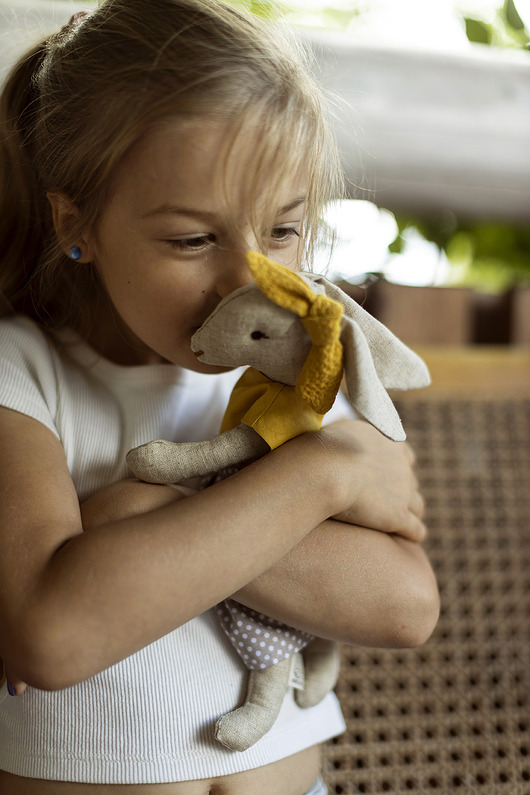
(380, 490)
(15, 686)
(127, 498)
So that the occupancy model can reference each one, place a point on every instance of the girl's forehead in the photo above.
(205, 162)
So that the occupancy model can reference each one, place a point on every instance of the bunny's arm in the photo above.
(261, 415)
(170, 462)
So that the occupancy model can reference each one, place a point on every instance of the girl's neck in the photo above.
(110, 337)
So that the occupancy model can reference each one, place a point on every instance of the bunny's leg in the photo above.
(321, 667)
(170, 462)
(243, 727)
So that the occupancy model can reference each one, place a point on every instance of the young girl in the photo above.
(145, 149)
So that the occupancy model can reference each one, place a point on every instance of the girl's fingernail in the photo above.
(10, 689)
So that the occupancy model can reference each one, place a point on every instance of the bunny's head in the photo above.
(302, 330)
(247, 328)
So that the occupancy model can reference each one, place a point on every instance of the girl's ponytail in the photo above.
(24, 217)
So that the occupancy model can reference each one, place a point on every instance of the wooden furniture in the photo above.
(454, 715)
(448, 316)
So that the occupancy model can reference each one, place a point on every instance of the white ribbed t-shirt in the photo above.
(150, 718)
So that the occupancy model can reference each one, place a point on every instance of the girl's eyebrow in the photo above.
(292, 205)
(169, 209)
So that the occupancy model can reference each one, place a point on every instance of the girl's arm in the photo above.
(73, 603)
(351, 584)
(340, 581)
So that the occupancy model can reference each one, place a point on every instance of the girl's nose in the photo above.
(233, 272)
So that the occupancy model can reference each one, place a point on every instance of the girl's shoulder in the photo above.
(29, 371)
(26, 347)
(21, 331)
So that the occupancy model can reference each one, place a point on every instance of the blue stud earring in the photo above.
(75, 252)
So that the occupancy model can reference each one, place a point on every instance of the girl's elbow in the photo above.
(25, 663)
(394, 624)
(418, 617)
(43, 657)
(417, 600)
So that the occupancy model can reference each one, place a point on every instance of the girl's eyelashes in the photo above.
(283, 234)
(192, 243)
(279, 235)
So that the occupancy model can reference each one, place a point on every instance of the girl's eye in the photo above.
(282, 234)
(195, 243)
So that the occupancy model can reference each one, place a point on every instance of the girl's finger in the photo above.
(417, 505)
(411, 455)
(15, 686)
(416, 530)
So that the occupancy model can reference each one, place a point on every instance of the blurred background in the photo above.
(432, 104)
(431, 100)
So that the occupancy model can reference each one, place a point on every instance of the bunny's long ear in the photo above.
(395, 364)
(374, 361)
(281, 285)
(366, 392)
(321, 375)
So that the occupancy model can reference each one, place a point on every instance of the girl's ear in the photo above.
(66, 222)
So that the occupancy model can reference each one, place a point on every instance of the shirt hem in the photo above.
(167, 769)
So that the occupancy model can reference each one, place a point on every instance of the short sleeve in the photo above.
(28, 380)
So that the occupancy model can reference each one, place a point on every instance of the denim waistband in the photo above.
(318, 788)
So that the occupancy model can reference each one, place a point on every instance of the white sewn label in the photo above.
(296, 674)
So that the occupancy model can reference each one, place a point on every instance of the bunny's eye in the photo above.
(259, 335)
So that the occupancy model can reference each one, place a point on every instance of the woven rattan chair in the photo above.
(454, 715)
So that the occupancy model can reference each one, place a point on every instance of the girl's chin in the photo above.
(207, 369)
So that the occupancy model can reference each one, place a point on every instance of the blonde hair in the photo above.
(75, 104)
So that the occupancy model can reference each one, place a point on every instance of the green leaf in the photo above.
(489, 256)
(268, 9)
(397, 246)
(477, 31)
(338, 17)
(512, 15)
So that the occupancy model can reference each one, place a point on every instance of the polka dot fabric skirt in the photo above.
(259, 640)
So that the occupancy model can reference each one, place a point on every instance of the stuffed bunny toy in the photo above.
(301, 335)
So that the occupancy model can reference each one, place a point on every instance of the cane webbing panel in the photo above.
(454, 715)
